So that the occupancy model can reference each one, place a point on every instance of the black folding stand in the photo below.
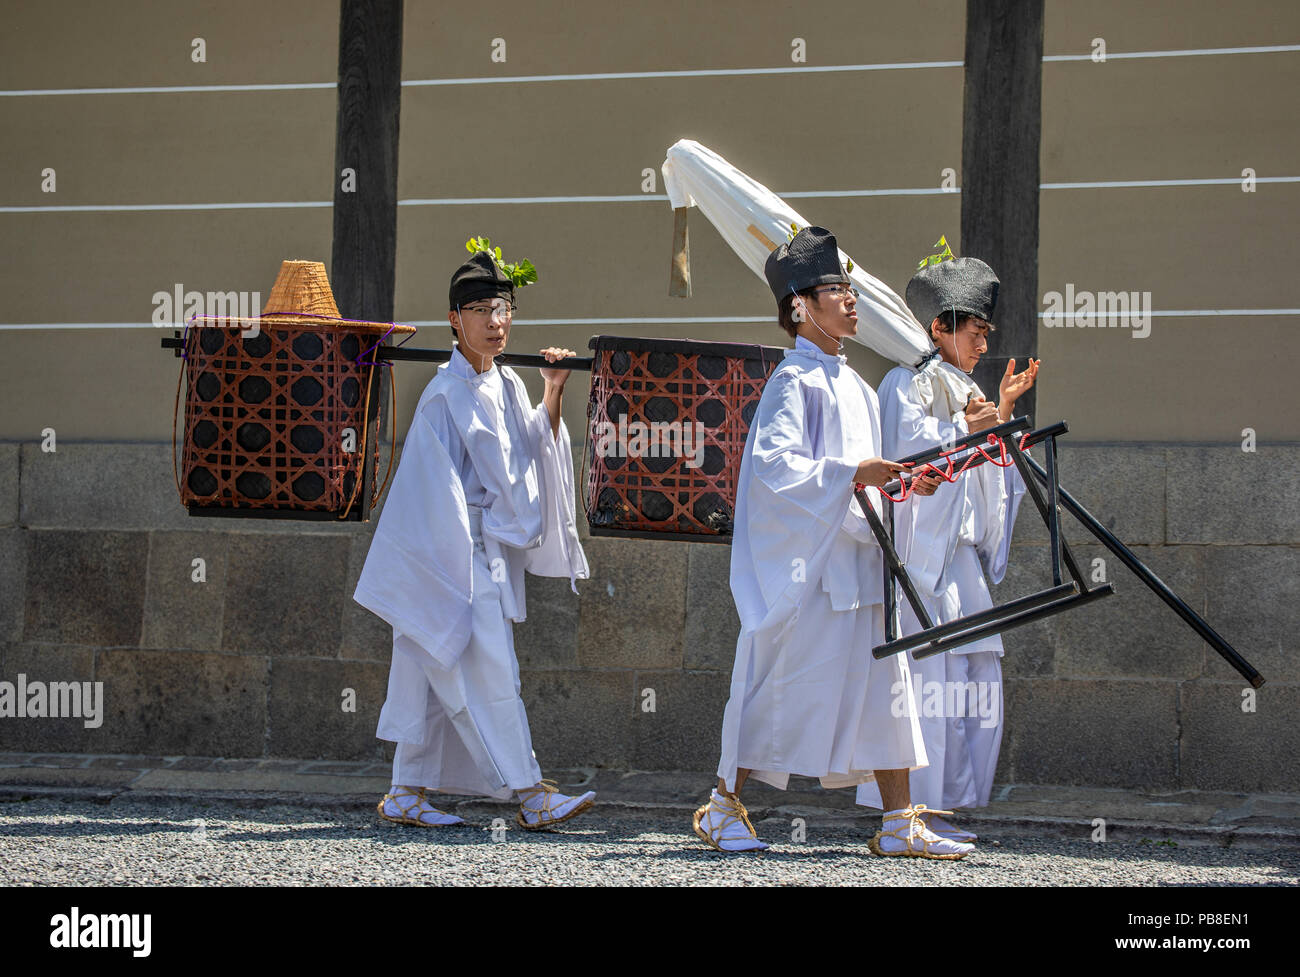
(933, 639)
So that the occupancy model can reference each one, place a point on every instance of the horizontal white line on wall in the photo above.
(1183, 53)
(621, 198)
(619, 75)
(629, 197)
(171, 89)
(493, 80)
(611, 198)
(1225, 181)
(641, 321)
(682, 73)
(117, 208)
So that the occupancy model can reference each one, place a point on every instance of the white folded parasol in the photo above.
(754, 220)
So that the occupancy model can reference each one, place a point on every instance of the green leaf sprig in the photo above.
(944, 255)
(794, 229)
(521, 273)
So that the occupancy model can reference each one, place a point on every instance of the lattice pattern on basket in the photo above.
(664, 384)
(265, 416)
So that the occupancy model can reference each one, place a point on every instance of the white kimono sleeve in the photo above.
(559, 554)
(418, 574)
(1002, 490)
(927, 527)
(795, 504)
(814, 491)
(855, 520)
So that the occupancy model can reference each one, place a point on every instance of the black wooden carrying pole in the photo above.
(443, 355)
(1144, 573)
(505, 359)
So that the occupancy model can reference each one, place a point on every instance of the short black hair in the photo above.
(950, 321)
(785, 311)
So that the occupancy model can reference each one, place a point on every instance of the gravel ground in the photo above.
(130, 842)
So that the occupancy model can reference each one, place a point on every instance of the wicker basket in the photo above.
(268, 415)
(715, 387)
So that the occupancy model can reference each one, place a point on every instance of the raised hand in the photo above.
(1014, 385)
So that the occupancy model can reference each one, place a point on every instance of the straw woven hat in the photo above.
(301, 296)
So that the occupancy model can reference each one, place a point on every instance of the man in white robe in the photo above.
(807, 697)
(951, 540)
(484, 492)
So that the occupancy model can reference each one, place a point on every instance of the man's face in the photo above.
(484, 325)
(835, 309)
(964, 348)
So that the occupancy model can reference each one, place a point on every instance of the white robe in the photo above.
(807, 576)
(948, 542)
(483, 492)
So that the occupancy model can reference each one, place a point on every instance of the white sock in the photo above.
(734, 836)
(915, 835)
(421, 810)
(535, 802)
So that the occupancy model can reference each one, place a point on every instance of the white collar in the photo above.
(954, 368)
(805, 345)
(460, 367)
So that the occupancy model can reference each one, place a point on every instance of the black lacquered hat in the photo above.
(812, 258)
(964, 284)
(479, 278)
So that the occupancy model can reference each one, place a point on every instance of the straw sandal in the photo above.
(915, 830)
(545, 819)
(417, 806)
(733, 812)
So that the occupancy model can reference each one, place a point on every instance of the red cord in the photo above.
(949, 476)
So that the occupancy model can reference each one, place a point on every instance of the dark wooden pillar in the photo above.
(363, 263)
(1001, 123)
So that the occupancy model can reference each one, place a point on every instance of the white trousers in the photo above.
(958, 696)
(814, 702)
(959, 700)
(476, 738)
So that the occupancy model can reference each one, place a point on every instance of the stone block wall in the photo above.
(257, 660)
